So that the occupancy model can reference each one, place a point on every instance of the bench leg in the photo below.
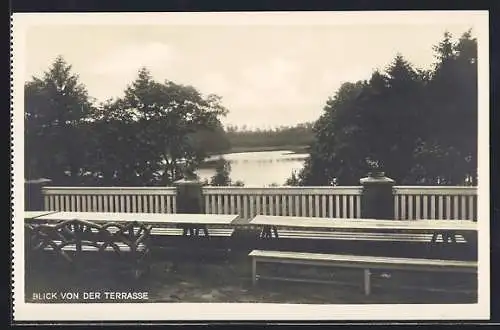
(367, 282)
(254, 271)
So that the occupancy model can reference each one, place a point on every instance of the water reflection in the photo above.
(259, 168)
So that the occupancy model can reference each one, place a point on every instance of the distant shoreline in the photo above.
(294, 149)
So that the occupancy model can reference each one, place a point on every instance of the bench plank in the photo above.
(343, 258)
(356, 261)
(365, 224)
(362, 236)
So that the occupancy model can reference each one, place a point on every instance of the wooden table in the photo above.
(191, 223)
(270, 225)
(36, 214)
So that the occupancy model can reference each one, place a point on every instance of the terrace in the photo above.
(188, 270)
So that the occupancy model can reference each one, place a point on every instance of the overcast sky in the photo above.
(267, 75)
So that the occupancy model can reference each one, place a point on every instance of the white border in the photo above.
(243, 311)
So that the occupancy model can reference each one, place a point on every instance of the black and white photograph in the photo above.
(251, 166)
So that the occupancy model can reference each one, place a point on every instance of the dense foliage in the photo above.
(154, 134)
(419, 126)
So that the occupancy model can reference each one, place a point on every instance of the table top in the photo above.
(150, 218)
(36, 214)
(368, 224)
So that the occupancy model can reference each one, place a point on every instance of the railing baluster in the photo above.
(403, 207)
(233, 206)
(219, 204)
(290, 205)
(344, 206)
(245, 207)
(310, 212)
(396, 206)
(433, 207)
(410, 207)
(417, 207)
(358, 206)
(471, 208)
(56, 203)
(168, 204)
(440, 207)
(425, 207)
(297, 205)
(330, 207)
(251, 208)
(448, 207)
(303, 209)
(105, 203)
(128, 204)
(84, 204)
(122, 204)
(316, 206)
(323, 206)
(337, 206)
(351, 206)
(226, 204)
(238, 205)
(455, 208)
(271, 205)
(283, 205)
(77, 202)
(134, 203)
(174, 204)
(277, 204)
(463, 205)
(265, 205)
(150, 204)
(157, 204)
(99, 203)
(66, 203)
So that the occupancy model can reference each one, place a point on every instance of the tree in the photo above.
(56, 106)
(222, 173)
(420, 126)
(447, 152)
(153, 130)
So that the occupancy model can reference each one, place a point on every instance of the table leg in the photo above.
(275, 230)
(254, 271)
(266, 232)
(205, 230)
(367, 281)
(434, 237)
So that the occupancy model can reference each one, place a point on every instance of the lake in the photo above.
(259, 169)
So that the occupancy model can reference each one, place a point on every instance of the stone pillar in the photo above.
(377, 200)
(189, 196)
(33, 197)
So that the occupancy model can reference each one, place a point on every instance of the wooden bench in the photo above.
(70, 239)
(214, 232)
(367, 263)
(364, 236)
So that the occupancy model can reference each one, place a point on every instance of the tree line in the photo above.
(419, 126)
(293, 137)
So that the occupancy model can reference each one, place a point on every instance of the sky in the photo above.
(267, 74)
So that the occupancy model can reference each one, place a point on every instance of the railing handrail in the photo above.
(434, 190)
(109, 190)
(309, 190)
